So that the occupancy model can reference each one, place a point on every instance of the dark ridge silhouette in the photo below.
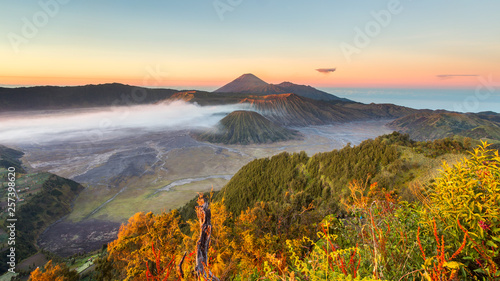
(54, 97)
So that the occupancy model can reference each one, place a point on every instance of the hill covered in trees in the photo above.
(42, 199)
(10, 158)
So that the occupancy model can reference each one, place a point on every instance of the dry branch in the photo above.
(204, 216)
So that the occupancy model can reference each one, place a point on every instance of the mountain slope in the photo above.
(11, 158)
(384, 110)
(42, 199)
(251, 84)
(293, 110)
(52, 200)
(52, 97)
(245, 127)
(246, 83)
(429, 126)
(324, 177)
(309, 92)
(205, 98)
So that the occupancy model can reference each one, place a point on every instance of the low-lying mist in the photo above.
(109, 122)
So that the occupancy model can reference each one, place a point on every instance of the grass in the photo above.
(83, 263)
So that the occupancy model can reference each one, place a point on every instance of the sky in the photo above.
(205, 44)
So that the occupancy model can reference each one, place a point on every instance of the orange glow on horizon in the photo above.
(80, 81)
(322, 82)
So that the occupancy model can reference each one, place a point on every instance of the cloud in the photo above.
(326, 70)
(37, 127)
(448, 76)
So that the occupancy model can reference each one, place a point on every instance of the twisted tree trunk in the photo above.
(205, 218)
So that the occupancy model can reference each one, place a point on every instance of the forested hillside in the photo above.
(10, 158)
(368, 212)
(40, 203)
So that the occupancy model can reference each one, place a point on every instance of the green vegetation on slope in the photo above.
(323, 178)
(10, 158)
(483, 132)
(246, 127)
(49, 204)
(430, 126)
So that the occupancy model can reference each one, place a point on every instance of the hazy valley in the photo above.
(127, 173)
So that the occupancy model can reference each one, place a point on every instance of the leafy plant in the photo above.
(383, 229)
(133, 254)
(469, 193)
(439, 267)
(325, 261)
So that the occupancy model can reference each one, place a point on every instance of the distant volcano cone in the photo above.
(245, 82)
(251, 84)
(246, 127)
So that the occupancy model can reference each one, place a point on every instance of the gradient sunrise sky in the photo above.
(183, 43)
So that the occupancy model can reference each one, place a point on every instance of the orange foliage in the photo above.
(220, 254)
(358, 199)
(132, 252)
(159, 271)
(53, 272)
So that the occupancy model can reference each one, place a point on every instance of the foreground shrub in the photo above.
(51, 272)
(133, 253)
(466, 199)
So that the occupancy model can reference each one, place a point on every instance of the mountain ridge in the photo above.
(87, 96)
(251, 84)
(435, 125)
(293, 110)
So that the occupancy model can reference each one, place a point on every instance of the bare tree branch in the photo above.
(205, 218)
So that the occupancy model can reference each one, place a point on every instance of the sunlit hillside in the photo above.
(360, 213)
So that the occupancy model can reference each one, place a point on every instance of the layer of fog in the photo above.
(110, 122)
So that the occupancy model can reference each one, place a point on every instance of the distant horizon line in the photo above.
(213, 88)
